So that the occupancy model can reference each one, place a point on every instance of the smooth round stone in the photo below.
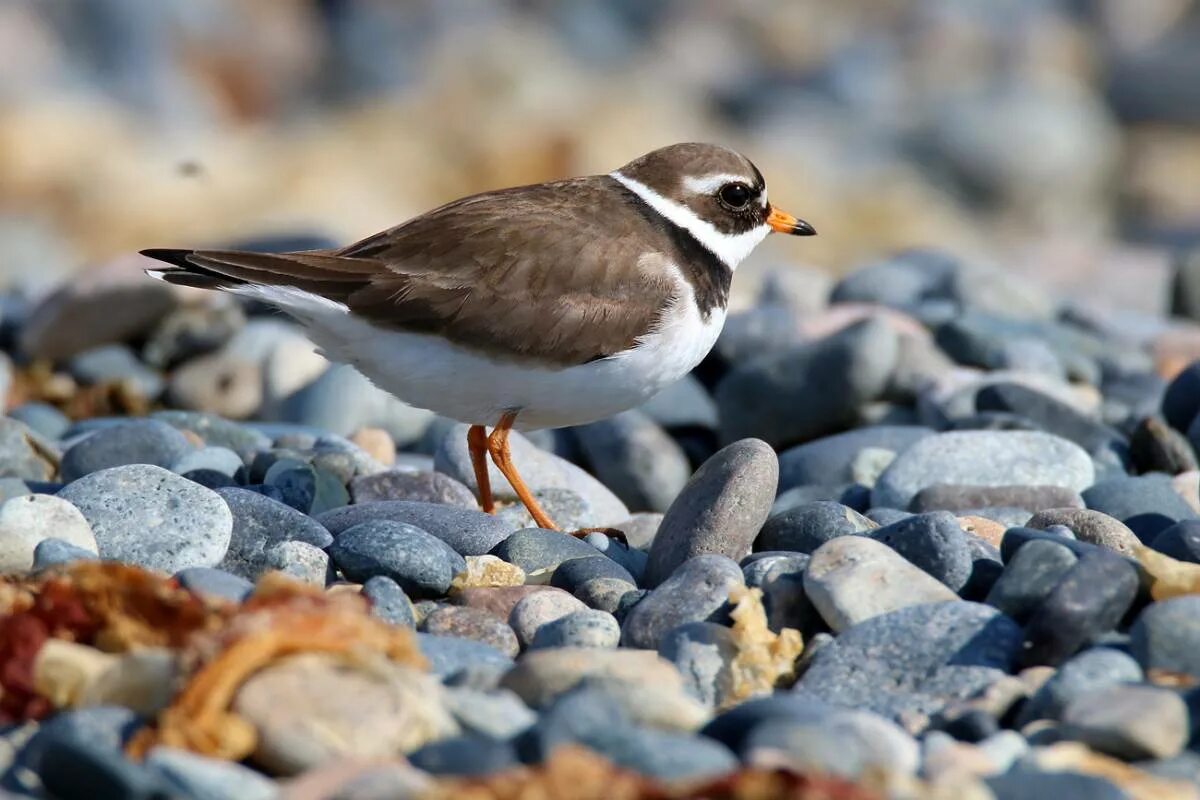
(301, 560)
(698, 590)
(853, 578)
(216, 582)
(984, 458)
(1154, 446)
(540, 552)
(935, 542)
(465, 756)
(1129, 722)
(1093, 527)
(910, 664)
(498, 600)
(1050, 415)
(539, 469)
(805, 528)
(52, 552)
(193, 775)
(296, 482)
(598, 581)
(223, 383)
(1181, 400)
(450, 655)
(1166, 636)
(401, 484)
(636, 459)
(42, 418)
(629, 558)
(542, 675)
(1088, 601)
(389, 602)
(733, 726)
(951, 497)
(703, 653)
(213, 459)
(532, 612)
(758, 568)
(772, 398)
(468, 532)
(260, 523)
(1181, 541)
(143, 441)
(144, 515)
(903, 280)
(28, 520)
(1095, 669)
(640, 529)
(669, 756)
(115, 363)
(217, 431)
(846, 743)
(831, 461)
(1016, 538)
(1148, 504)
(1029, 578)
(587, 628)
(497, 714)
(471, 623)
(421, 563)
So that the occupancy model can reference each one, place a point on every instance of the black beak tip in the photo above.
(802, 228)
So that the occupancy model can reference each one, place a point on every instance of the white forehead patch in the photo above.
(731, 248)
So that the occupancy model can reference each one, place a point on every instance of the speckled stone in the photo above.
(474, 624)
(698, 590)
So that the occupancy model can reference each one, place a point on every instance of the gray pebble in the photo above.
(1095, 669)
(1166, 636)
(421, 563)
(587, 628)
(469, 532)
(698, 590)
(1129, 722)
(539, 552)
(474, 624)
(218, 582)
(260, 523)
(143, 441)
(402, 484)
(1029, 578)
(702, 652)
(534, 611)
(389, 602)
(301, 560)
(934, 542)
(806, 527)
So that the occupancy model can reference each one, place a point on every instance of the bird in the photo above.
(539, 306)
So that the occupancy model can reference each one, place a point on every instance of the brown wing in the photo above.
(549, 272)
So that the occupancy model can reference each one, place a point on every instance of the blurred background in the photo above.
(1056, 138)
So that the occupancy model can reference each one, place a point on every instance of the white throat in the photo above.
(731, 248)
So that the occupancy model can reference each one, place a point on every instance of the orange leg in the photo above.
(477, 444)
(497, 445)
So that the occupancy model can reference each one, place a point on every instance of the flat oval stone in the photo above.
(853, 578)
(1093, 527)
(421, 563)
(469, 532)
(28, 520)
(806, 527)
(474, 624)
(955, 497)
(402, 484)
(598, 581)
(698, 590)
(720, 511)
(540, 552)
(935, 542)
(1147, 504)
(1089, 601)
(984, 458)
(145, 515)
(1166, 636)
(260, 523)
(144, 441)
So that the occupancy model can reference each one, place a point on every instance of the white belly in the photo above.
(429, 372)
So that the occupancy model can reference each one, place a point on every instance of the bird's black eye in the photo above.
(735, 195)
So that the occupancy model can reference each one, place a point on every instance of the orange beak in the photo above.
(783, 222)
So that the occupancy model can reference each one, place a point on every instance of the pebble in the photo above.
(401, 484)
(25, 454)
(532, 612)
(453, 655)
(853, 578)
(1016, 538)
(540, 470)
(43, 419)
(474, 624)
(115, 363)
(216, 431)
(1050, 415)
(1147, 504)
(310, 710)
(1181, 400)
(831, 460)
(935, 542)
(1129, 722)
(1093, 527)
(1181, 541)
(597, 580)
(758, 568)
(1154, 446)
(771, 397)
(630, 559)
(215, 459)
(28, 520)
(139, 442)
(1095, 669)
(215, 582)
(389, 602)
(142, 514)
(465, 756)
(1024, 784)
(195, 776)
(1166, 636)
(698, 590)
(496, 714)
(104, 727)
(341, 400)
(1027, 580)
(568, 510)
(301, 560)
(909, 664)
(1089, 600)
(52, 552)
(950, 497)
(542, 675)
(636, 459)
(468, 532)
(378, 444)
(422, 564)
(586, 628)
(720, 511)
(81, 770)
(499, 600)
(984, 458)
(703, 653)
(540, 552)
(640, 529)
(191, 331)
(260, 523)
(851, 744)
(806, 527)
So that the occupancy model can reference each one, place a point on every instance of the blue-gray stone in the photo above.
(1181, 541)
(83, 770)
(104, 726)
(215, 430)
(200, 778)
(629, 558)
(934, 542)
(758, 568)
(1166, 636)
(469, 532)
(115, 362)
(389, 602)
(597, 580)
(448, 655)
(42, 418)
(698, 590)
(703, 653)
(207, 580)
(829, 461)
(422, 564)
(636, 459)
(1181, 400)
(143, 441)
(540, 552)
(52, 552)
(424, 486)
(465, 756)
(1093, 669)
(1030, 577)
(588, 628)
(732, 726)
(1021, 784)
(213, 458)
(805, 528)
(1147, 504)
(260, 523)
